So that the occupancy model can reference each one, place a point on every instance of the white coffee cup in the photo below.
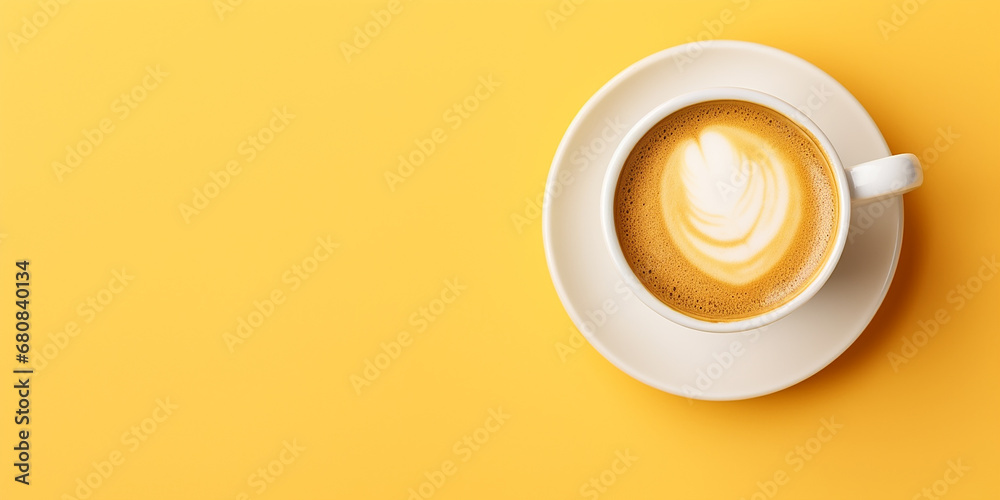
(856, 185)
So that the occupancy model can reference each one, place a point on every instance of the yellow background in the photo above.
(495, 345)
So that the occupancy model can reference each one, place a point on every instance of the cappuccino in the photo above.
(726, 210)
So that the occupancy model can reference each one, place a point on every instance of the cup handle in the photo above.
(884, 178)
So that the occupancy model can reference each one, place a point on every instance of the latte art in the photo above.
(725, 210)
(727, 200)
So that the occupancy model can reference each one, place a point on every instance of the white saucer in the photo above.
(651, 348)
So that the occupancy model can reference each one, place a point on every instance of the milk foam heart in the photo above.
(728, 202)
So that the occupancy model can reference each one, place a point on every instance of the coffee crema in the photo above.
(726, 210)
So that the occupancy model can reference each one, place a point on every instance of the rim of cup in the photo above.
(647, 122)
